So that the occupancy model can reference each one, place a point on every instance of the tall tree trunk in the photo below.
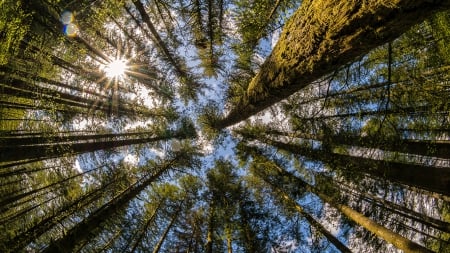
(435, 148)
(434, 179)
(211, 230)
(180, 70)
(149, 221)
(386, 234)
(92, 225)
(166, 231)
(400, 210)
(313, 222)
(38, 138)
(229, 237)
(47, 151)
(319, 38)
(50, 83)
(20, 241)
(4, 202)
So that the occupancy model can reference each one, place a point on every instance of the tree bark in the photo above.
(331, 238)
(47, 151)
(386, 234)
(150, 220)
(89, 227)
(17, 243)
(430, 178)
(320, 37)
(166, 231)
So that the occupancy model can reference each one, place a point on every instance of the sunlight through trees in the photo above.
(224, 126)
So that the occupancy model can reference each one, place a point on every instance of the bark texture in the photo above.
(320, 37)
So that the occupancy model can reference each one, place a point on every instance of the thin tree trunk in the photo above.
(17, 243)
(89, 227)
(145, 228)
(211, 228)
(229, 236)
(435, 148)
(47, 151)
(313, 222)
(430, 178)
(400, 210)
(49, 82)
(386, 234)
(4, 202)
(166, 231)
(65, 137)
(159, 42)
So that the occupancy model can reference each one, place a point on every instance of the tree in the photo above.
(288, 203)
(322, 45)
(191, 86)
(395, 171)
(264, 165)
(49, 148)
(351, 155)
(77, 236)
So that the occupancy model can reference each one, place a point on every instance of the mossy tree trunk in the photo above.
(320, 37)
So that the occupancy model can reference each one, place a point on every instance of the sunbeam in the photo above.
(116, 68)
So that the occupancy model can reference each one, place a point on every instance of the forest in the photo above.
(191, 126)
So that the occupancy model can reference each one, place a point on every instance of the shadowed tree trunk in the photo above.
(281, 194)
(51, 150)
(331, 238)
(149, 221)
(211, 228)
(430, 178)
(20, 241)
(179, 67)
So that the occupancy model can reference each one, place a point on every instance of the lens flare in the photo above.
(71, 30)
(115, 68)
(66, 17)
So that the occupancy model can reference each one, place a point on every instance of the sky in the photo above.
(225, 149)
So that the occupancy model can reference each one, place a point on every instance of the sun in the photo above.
(115, 68)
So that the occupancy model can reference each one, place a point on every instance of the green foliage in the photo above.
(118, 163)
(14, 24)
(209, 116)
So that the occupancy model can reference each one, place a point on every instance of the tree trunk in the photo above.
(166, 231)
(319, 38)
(430, 178)
(92, 225)
(228, 234)
(149, 221)
(211, 228)
(4, 202)
(331, 238)
(17, 243)
(159, 41)
(434, 148)
(400, 210)
(47, 151)
(388, 235)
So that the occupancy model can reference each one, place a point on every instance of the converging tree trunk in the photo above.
(91, 226)
(319, 38)
(272, 172)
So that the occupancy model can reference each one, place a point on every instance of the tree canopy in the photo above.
(224, 126)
